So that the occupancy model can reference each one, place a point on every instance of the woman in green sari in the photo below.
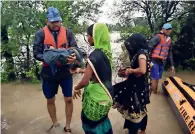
(97, 96)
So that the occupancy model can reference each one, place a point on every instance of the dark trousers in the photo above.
(134, 127)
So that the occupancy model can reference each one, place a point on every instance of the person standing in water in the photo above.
(97, 83)
(160, 49)
(54, 35)
(132, 95)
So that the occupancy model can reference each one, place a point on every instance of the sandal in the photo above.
(67, 130)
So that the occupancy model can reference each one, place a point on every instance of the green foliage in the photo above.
(184, 46)
(31, 74)
(181, 14)
(21, 19)
(116, 27)
(137, 29)
(155, 12)
(75, 13)
(190, 64)
(4, 77)
(140, 21)
(176, 30)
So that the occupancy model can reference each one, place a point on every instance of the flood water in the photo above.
(24, 111)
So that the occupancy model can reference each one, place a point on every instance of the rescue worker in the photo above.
(160, 49)
(54, 35)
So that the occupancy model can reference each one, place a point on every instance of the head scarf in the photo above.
(135, 43)
(101, 37)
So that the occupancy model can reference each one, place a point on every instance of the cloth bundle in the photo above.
(53, 56)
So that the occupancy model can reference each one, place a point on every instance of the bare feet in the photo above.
(157, 92)
(55, 125)
(142, 132)
(126, 131)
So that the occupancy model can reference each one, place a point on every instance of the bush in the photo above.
(31, 75)
(4, 77)
(137, 29)
(190, 64)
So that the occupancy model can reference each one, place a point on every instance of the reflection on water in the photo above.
(4, 124)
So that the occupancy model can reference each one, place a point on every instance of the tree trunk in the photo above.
(149, 15)
(27, 57)
(150, 24)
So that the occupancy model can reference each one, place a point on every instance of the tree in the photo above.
(179, 13)
(116, 27)
(75, 13)
(186, 41)
(137, 29)
(156, 12)
(140, 21)
(21, 19)
(23, 23)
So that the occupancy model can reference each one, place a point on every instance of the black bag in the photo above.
(126, 96)
(119, 91)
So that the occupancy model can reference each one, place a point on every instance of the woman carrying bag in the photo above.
(132, 95)
(97, 96)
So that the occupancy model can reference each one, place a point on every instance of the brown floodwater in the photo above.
(24, 111)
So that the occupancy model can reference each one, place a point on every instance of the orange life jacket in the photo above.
(62, 41)
(162, 49)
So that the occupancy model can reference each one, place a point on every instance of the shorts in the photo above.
(157, 71)
(50, 87)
